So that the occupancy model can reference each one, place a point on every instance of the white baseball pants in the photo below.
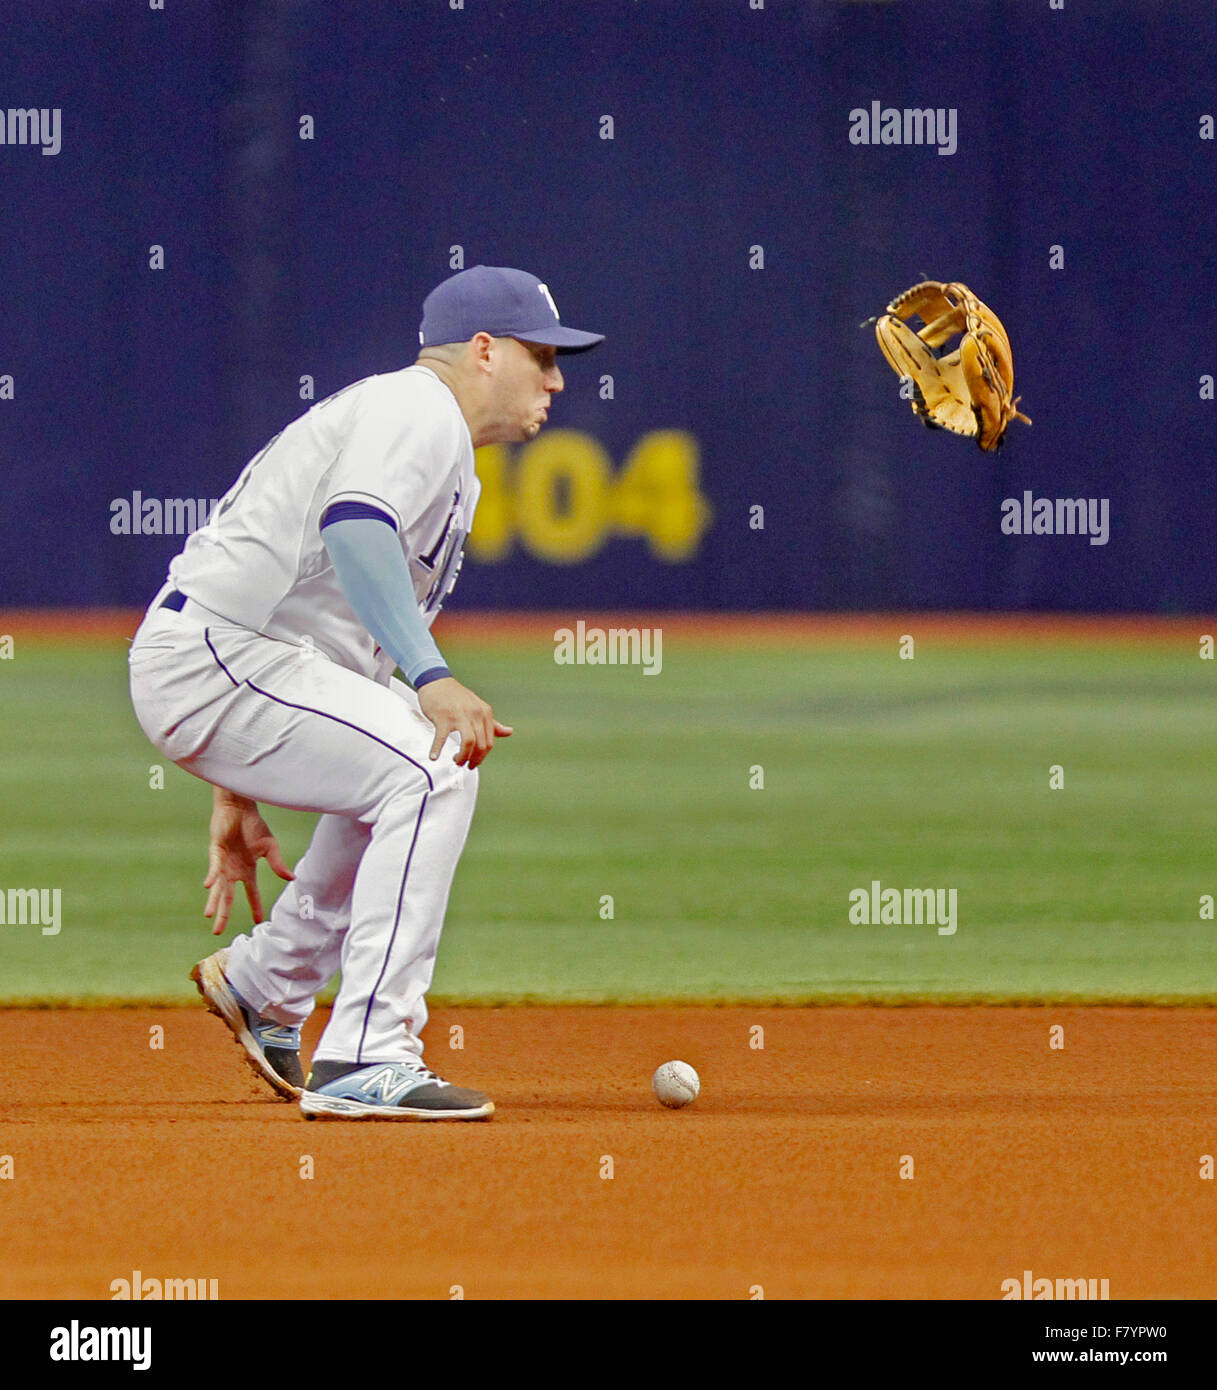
(283, 724)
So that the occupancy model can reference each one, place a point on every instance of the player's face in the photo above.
(528, 379)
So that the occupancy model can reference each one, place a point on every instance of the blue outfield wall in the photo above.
(729, 238)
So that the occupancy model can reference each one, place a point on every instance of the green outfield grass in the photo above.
(924, 773)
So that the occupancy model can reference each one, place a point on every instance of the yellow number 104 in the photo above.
(560, 499)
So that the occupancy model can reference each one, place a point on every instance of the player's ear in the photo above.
(482, 347)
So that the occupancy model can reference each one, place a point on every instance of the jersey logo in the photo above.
(445, 579)
(428, 560)
(444, 559)
(549, 299)
(246, 473)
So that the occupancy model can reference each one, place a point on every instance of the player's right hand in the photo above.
(454, 708)
(239, 838)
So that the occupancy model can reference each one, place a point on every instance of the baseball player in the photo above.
(265, 666)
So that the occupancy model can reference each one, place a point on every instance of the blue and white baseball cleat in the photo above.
(387, 1091)
(271, 1049)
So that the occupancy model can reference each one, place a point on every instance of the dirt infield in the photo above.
(1079, 1163)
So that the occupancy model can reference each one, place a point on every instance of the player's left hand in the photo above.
(239, 838)
(454, 708)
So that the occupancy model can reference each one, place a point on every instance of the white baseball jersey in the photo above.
(397, 442)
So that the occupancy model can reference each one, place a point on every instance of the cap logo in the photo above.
(549, 299)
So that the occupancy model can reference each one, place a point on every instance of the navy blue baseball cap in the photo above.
(500, 301)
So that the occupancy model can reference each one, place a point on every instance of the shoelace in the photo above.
(424, 1073)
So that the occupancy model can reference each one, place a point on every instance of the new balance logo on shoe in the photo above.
(387, 1084)
(278, 1035)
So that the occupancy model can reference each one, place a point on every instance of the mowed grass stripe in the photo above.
(924, 773)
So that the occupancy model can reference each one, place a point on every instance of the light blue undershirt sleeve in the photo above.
(375, 578)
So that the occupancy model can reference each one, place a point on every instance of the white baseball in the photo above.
(675, 1084)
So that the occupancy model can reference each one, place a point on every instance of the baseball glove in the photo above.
(969, 390)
